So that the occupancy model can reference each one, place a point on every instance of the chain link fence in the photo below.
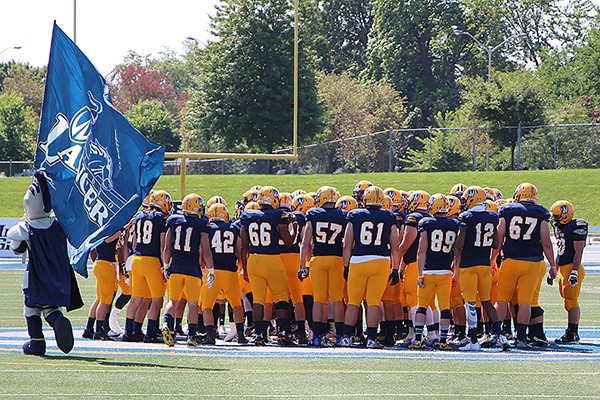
(16, 168)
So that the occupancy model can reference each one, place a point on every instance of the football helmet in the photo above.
(303, 203)
(489, 193)
(347, 203)
(458, 190)
(297, 193)
(193, 204)
(472, 196)
(501, 202)
(418, 200)
(218, 212)
(146, 201)
(327, 194)
(252, 206)
(498, 193)
(313, 195)
(269, 196)
(526, 192)
(285, 201)
(438, 203)
(215, 199)
(453, 206)
(361, 186)
(387, 203)
(373, 196)
(491, 206)
(562, 211)
(161, 200)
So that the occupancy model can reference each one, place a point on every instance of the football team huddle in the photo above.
(313, 269)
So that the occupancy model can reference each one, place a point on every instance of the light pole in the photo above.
(10, 48)
(488, 49)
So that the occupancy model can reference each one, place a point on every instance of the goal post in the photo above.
(250, 156)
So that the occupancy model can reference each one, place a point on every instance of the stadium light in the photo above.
(10, 48)
(488, 49)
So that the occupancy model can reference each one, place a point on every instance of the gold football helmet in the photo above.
(193, 204)
(527, 193)
(562, 211)
(347, 203)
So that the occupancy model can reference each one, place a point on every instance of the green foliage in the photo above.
(152, 118)
(439, 154)
(17, 126)
(246, 95)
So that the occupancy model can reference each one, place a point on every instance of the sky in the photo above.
(106, 29)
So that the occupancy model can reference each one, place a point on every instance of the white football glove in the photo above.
(210, 277)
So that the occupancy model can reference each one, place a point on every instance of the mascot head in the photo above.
(37, 198)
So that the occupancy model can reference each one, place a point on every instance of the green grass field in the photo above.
(581, 187)
(159, 372)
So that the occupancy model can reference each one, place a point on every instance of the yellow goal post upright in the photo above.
(249, 156)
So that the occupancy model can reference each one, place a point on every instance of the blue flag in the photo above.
(99, 167)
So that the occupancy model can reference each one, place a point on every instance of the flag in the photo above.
(99, 167)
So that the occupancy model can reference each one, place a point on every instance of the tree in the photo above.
(439, 155)
(413, 47)
(28, 82)
(513, 99)
(17, 128)
(154, 121)
(246, 93)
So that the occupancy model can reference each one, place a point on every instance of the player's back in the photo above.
(372, 228)
(441, 235)
(186, 234)
(148, 227)
(328, 225)
(262, 229)
(295, 246)
(480, 226)
(522, 237)
(223, 237)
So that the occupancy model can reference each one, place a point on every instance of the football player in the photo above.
(476, 238)
(434, 258)
(418, 205)
(186, 241)
(262, 264)
(371, 237)
(359, 190)
(225, 247)
(147, 272)
(524, 236)
(323, 234)
(290, 255)
(571, 236)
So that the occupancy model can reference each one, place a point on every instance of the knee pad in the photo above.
(445, 314)
(421, 310)
(536, 312)
(282, 305)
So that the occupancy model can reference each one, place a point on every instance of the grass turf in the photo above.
(581, 187)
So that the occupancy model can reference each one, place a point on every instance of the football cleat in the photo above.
(373, 344)
(102, 336)
(415, 345)
(232, 333)
(242, 340)
(344, 342)
(317, 341)
(303, 340)
(193, 341)
(136, 337)
(87, 334)
(521, 344)
(538, 341)
(503, 342)
(259, 340)
(526, 192)
(472, 196)
(283, 339)
(562, 211)
(209, 341)
(167, 337)
(193, 204)
(470, 347)
(433, 342)
(445, 347)
(113, 334)
(568, 338)
(489, 341)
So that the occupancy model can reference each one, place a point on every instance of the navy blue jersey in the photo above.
(148, 228)
(262, 229)
(441, 235)
(107, 251)
(328, 226)
(372, 227)
(413, 220)
(400, 218)
(223, 239)
(186, 232)
(522, 237)
(575, 230)
(294, 248)
(480, 226)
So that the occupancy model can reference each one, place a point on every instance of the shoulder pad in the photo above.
(581, 222)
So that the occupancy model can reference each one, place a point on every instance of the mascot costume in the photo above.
(49, 282)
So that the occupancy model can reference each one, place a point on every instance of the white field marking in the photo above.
(312, 395)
